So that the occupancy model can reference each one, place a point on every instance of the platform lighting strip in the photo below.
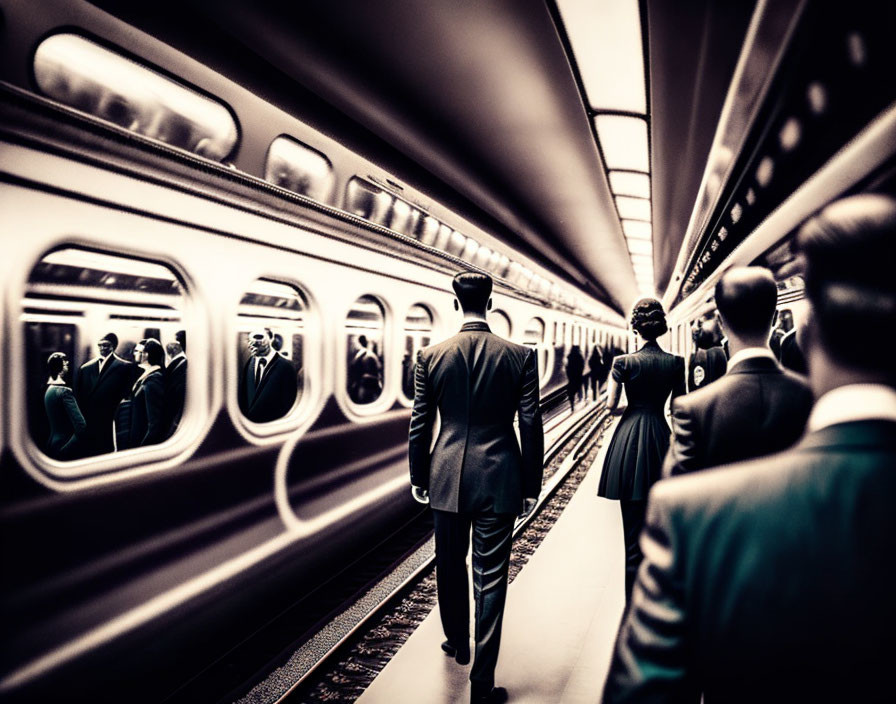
(606, 39)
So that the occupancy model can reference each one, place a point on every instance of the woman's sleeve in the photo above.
(620, 369)
(74, 413)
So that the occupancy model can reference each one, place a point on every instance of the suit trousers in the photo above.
(492, 539)
(633, 514)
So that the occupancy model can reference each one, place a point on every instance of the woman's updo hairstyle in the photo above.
(649, 319)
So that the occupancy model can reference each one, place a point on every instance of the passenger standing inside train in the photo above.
(100, 386)
(268, 386)
(175, 387)
(575, 369)
(140, 419)
(772, 580)
(783, 325)
(635, 455)
(68, 429)
(478, 475)
(757, 408)
(709, 360)
(792, 356)
(365, 373)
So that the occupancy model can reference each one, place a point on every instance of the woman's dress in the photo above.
(635, 456)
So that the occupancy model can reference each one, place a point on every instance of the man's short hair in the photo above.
(746, 298)
(154, 353)
(849, 249)
(473, 290)
(173, 349)
(111, 338)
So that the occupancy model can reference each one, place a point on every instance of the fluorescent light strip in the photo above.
(633, 208)
(637, 229)
(640, 247)
(629, 183)
(623, 140)
(606, 39)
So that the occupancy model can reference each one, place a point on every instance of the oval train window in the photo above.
(499, 323)
(364, 328)
(417, 334)
(270, 350)
(367, 201)
(105, 353)
(95, 80)
(298, 168)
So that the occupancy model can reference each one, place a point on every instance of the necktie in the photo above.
(259, 370)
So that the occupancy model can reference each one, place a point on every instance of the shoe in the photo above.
(461, 655)
(497, 695)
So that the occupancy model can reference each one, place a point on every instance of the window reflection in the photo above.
(368, 201)
(270, 350)
(364, 330)
(417, 334)
(105, 353)
(298, 168)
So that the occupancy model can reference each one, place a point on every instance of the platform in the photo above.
(562, 613)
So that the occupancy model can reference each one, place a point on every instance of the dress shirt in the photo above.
(750, 353)
(851, 403)
(267, 364)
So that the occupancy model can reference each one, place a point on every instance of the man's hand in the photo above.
(528, 505)
(421, 495)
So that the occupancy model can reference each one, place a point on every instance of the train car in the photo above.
(241, 181)
(147, 196)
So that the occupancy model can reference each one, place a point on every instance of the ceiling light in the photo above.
(637, 229)
(640, 247)
(606, 40)
(634, 208)
(628, 183)
(623, 141)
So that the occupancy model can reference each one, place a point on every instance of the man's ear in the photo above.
(489, 305)
(456, 305)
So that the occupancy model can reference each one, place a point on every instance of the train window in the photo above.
(499, 323)
(95, 80)
(364, 327)
(456, 244)
(483, 257)
(270, 350)
(417, 334)
(367, 201)
(443, 238)
(104, 353)
(299, 168)
(428, 230)
(399, 217)
(533, 337)
(471, 247)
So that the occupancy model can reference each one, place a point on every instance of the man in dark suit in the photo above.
(477, 475)
(757, 407)
(267, 388)
(175, 387)
(100, 386)
(772, 580)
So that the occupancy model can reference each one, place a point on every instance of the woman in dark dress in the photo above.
(635, 456)
(67, 424)
(139, 421)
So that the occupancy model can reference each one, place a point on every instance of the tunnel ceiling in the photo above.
(481, 95)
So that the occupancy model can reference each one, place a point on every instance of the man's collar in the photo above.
(177, 357)
(476, 324)
(268, 357)
(853, 402)
(751, 353)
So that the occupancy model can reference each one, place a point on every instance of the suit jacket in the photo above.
(98, 395)
(713, 363)
(769, 580)
(175, 395)
(477, 382)
(755, 409)
(276, 392)
(140, 420)
(67, 424)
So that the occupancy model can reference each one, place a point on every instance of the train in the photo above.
(147, 196)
